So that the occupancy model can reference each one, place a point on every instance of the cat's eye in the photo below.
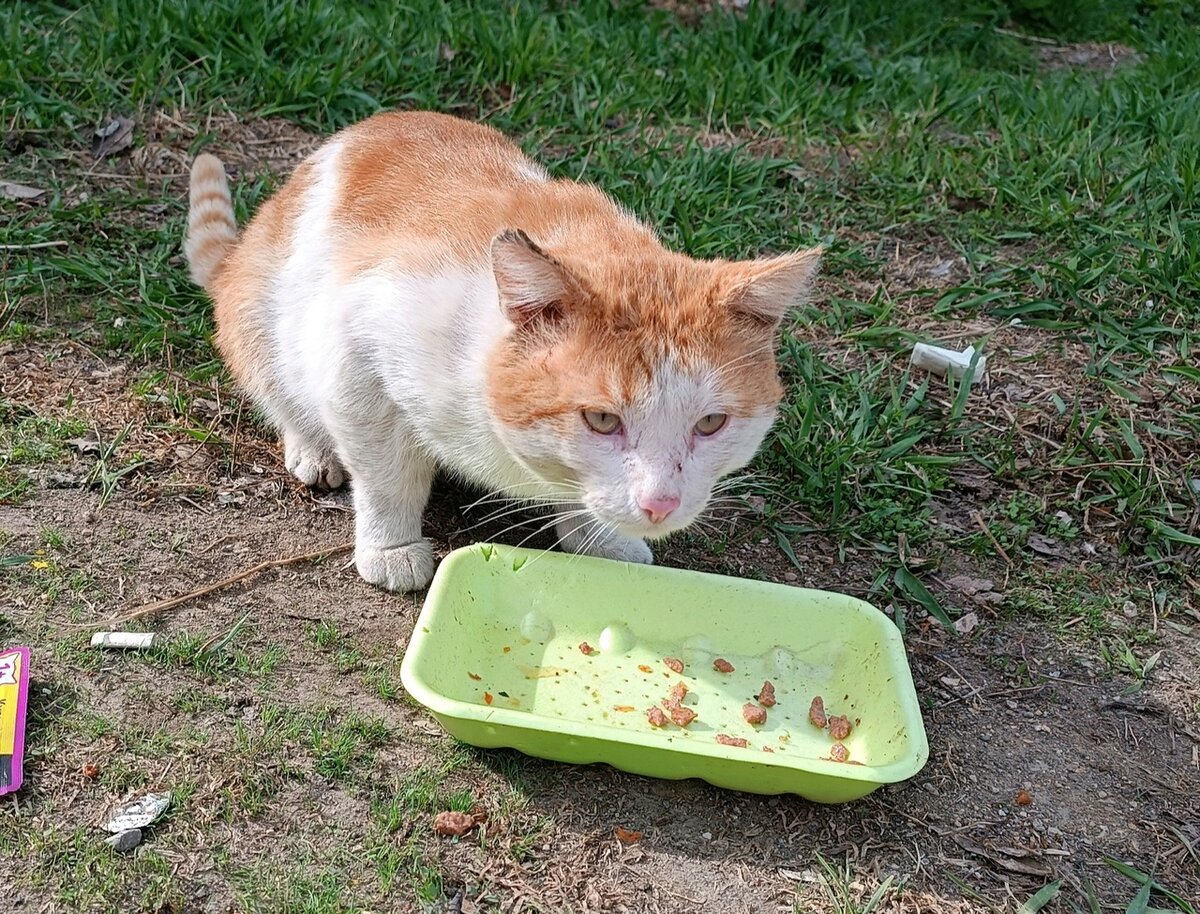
(711, 424)
(604, 423)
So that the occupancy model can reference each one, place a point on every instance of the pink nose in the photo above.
(659, 507)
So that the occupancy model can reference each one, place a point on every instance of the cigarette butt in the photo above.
(133, 641)
(942, 362)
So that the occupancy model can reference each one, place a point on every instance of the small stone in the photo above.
(1102, 794)
(125, 841)
(707, 836)
(790, 576)
(1130, 609)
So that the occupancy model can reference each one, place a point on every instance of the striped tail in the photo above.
(211, 229)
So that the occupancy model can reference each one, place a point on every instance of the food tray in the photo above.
(495, 656)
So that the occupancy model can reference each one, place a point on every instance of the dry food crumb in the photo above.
(839, 753)
(91, 771)
(816, 712)
(732, 741)
(587, 650)
(644, 668)
(475, 676)
(767, 749)
(622, 707)
(722, 666)
(453, 823)
(656, 717)
(753, 714)
(674, 663)
(839, 727)
(507, 649)
(487, 698)
(682, 716)
(625, 836)
(766, 696)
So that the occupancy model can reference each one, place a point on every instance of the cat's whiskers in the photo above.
(510, 509)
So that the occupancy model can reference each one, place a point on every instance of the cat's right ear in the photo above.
(533, 285)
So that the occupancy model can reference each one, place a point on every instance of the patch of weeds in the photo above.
(382, 679)
(85, 874)
(1120, 658)
(209, 657)
(421, 792)
(346, 745)
(304, 890)
(406, 862)
(325, 633)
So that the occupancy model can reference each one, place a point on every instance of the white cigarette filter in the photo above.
(942, 362)
(131, 641)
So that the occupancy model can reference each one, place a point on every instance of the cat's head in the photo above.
(639, 381)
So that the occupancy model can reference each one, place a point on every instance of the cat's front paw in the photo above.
(400, 568)
(313, 468)
(622, 549)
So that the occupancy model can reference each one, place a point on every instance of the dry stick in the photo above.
(35, 246)
(171, 602)
(978, 518)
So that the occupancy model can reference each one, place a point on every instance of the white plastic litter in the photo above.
(133, 641)
(139, 813)
(942, 362)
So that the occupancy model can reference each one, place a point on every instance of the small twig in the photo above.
(37, 245)
(978, 518)
(171, 602)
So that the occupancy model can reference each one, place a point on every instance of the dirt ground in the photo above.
(303, 774)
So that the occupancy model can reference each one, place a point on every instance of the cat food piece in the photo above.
(625, 836)
(839, 727)
(587, 650)
(678, 692)
(682, 716)
(656, 717)
(767, 749)
(91, 771)
(753, 714)
(487, 698)
(732, 741)
(674, 663)
(816, 712)
(722, 666)
(839, 753)
(622, 707)
(1024, 798)
(644, 668)
(766, 697)
(475, 677)
(454, 824)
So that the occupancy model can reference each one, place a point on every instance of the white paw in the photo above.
(623, 549)
(314, 469)
(400, 568)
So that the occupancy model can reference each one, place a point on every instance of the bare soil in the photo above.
(1015, 705)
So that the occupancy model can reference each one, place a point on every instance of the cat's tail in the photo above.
(211, 228)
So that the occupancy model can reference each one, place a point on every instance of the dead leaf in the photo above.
(88, 444)
(1029, 867)
(1024, 797)
(625, 836)
(10, 190)
(1044, 545)
(112, 137)
(455, 824)
(966, 624)
(969, 585)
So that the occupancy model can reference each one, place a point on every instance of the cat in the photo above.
(421, 295)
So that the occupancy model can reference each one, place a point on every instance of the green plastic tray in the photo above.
(495, 655)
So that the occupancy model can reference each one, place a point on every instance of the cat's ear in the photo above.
(533, 285)
(768, 288)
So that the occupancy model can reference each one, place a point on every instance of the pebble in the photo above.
(707, 836)
(790, 576)
(125, 841)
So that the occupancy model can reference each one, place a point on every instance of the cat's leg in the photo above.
(582, 535)
(391, 477)
(310, 457)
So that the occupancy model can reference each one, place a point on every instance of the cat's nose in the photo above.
(658, 507)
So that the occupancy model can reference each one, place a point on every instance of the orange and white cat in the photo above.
(421, 295)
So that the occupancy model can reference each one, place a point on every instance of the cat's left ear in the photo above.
(771, 286)
(533, 285)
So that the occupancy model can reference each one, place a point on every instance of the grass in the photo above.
(1069, 195)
